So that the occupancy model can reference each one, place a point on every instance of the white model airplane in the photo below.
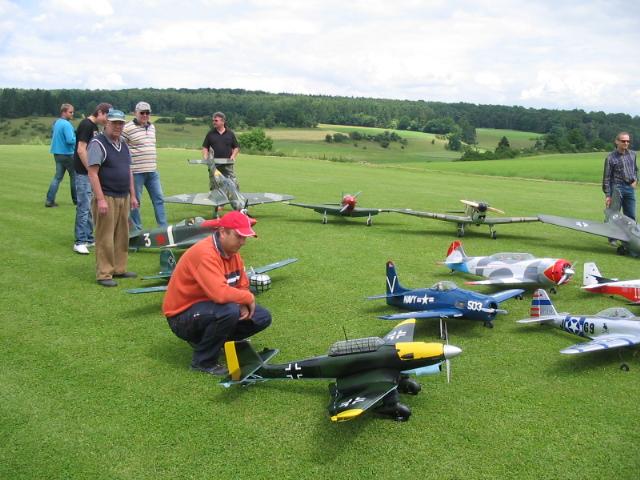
(594, 282)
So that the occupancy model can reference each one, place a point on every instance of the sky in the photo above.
(542, 54)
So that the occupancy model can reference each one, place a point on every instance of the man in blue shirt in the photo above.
(63, 142)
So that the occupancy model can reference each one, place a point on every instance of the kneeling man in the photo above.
(208, 300)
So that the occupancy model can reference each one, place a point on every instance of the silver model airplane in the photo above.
(346, 208)
(225, 192)
(617, 226)
(475, 213)
(611, 328)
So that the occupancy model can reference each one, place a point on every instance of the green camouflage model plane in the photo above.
(179, 235)
(370, 372)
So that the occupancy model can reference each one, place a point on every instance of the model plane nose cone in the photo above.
(451, 351)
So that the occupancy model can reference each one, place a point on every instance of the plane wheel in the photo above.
(488, 324)
(553, 290)
(519, 297)
(460, 233)
(621, 250)
(369, 222)
(624, 367)
(494, 235)
(409, 386)
(402, 413)
(324, 221)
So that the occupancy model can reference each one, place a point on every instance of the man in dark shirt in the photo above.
(87, 129)
(221, 143)
(114, 196)
(620, 177)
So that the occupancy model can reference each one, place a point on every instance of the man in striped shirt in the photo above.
(620, 177)
(140, 135)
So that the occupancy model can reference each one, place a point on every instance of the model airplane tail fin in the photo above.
(167, 261)
(455, 254)
(393, 284)
(592, 275)
(244, 362)
(541, 305)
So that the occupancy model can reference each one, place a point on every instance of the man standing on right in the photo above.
(140, 135)
(224, 144)
(87, 129)
(63, 141)
(620, 177)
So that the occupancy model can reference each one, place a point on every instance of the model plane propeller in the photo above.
(225, 192)
(610, 328)
(594, 282)
(443, 300)
(521, 269)
(617, 226)
(475, 213)
(369, 372)
(346, 208)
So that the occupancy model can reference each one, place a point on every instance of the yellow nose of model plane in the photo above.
(422, 350)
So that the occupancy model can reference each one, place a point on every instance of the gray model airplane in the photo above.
(475, 213)
(346, 208)
(225, 192)
(617, 226)
(611, 328)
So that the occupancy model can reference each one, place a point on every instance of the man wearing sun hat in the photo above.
(113, 197)
(208, 300)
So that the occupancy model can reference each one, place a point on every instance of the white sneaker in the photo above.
(81, 249)
(89, 245)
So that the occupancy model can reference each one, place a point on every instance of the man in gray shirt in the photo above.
(620, 177)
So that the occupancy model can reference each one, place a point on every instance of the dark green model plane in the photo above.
(369, 372)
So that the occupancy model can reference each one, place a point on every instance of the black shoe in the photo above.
(125, 275)
(50, 204)
(108, 282)
(217, 370)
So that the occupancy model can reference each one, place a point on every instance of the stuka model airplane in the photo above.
(475, 213)
(594, 282)
(180, 235)
(259, 281)
(369, 372)
(443, 300)
(346, 208)
(522, 269)
(617, 226)
(610, 328)
(225, 192)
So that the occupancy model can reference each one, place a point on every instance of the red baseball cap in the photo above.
(234, 220)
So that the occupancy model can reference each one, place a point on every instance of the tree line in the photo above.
(564, 130)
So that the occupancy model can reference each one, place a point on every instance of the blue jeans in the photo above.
(150, 180)
(207, 325)
(624, 196)
(63, 163)
(84, 222)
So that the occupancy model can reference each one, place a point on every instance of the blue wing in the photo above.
(441, 313)
(507, 294)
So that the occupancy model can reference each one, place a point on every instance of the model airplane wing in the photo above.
(159, 288)
(610, 230)
(216, 198)
(507, 294)
(501, 220)
(337, 209)
(603, 342)
(501, 281)
(403, 331)
(159, 276)
(273, 266)
(438, 216)
(355, 394)
(266, 197)
(441, 313)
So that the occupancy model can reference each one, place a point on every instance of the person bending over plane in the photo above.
(208, 300)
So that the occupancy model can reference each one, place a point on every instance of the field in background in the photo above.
(488, 138)
(94, 384)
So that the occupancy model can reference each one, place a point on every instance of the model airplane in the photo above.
(617, 227)
(259, 281)
(594, 282)
(226, 192)
(443, 300)
(610, 328)
(475, 213)
(180, 235)
(369, 372)
(521, 269)
(346, 208)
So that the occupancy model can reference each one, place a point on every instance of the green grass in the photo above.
(93, 384)
(488, 138)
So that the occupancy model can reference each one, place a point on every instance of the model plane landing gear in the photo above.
(460, 230)
(492, 233)
(324, 218)
(488, 324)
(409, 386)
(553, 290)
(622, 250)
(398, 411)
(624, 367)
(369, 221)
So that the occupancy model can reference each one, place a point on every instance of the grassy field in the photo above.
(93, 383)
(488, 138)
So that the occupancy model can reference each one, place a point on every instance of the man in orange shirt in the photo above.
(208, 300)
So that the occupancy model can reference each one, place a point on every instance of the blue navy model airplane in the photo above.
(443, 300)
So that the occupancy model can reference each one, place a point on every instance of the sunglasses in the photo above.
(624, 141)
(144, 113)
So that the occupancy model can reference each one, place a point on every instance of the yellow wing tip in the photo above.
(407, 322)
(347, 415)
(232, 360)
